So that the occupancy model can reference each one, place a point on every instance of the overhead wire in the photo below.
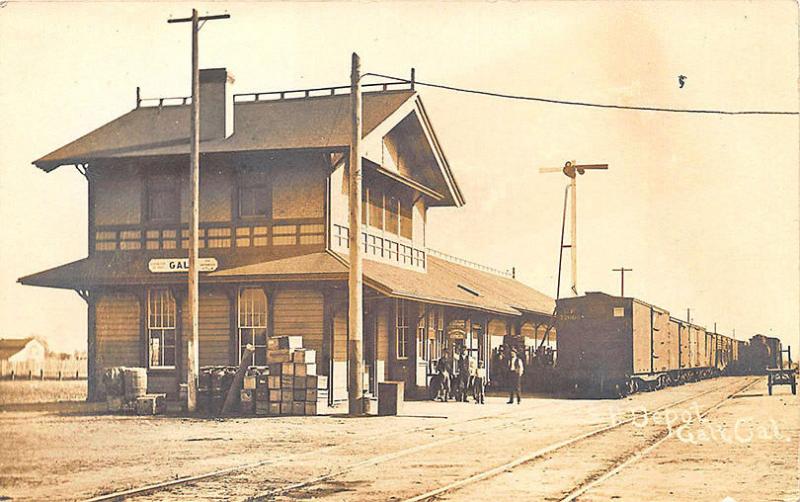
(581, 103)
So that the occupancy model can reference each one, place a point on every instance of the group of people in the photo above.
(459, 378)
(465, 376)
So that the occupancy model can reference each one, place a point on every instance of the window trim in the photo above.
(401, 329)
(240, 326)
(162, 328)
(175, 188)
(241, 174)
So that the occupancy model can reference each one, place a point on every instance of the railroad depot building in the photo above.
(273, 238)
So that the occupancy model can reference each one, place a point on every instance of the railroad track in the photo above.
(637, 455)
(187, 480)
(517, 418)
(314, 481)
(598, 478)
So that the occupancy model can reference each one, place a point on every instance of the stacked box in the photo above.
(291, 387)
(262, 395)
(151, 404)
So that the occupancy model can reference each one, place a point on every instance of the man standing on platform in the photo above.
(516, 370)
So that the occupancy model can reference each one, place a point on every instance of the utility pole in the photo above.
(622, 271)
(192, 348)
(688, 315)
(355, 395)
(571, 170)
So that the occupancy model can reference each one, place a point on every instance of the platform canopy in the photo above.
(444, 283)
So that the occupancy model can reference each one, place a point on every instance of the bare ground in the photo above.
(69, 451)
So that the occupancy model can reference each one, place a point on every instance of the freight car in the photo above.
(761, 353)
(611, 345)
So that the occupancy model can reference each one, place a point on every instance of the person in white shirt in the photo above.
(516, 369)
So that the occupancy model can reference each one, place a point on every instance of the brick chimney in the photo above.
(216, 104)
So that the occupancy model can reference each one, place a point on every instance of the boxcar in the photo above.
(613, 345)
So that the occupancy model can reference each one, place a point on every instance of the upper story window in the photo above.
(254, 194)
(163, 198)
(392, 214)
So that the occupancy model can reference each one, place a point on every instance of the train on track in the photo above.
(614, 346)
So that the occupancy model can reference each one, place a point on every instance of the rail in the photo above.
(471, 264)
(249, 97)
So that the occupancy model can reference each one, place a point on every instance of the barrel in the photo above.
(112, 381)
(135, 380)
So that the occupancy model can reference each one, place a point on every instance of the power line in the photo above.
(584, 103)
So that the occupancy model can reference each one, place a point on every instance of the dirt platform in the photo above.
(71, 452)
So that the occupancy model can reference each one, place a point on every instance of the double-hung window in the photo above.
(253, 324)
(401, 329)
(254, 194)
(161, 328)
(163, 198)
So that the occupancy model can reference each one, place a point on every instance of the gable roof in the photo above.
(10, 346)
(314, 122)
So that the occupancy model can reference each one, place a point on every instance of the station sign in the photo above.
(162, 265)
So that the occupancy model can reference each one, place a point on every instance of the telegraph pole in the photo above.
(355, 314)
(622, 271)
(192, 347)
(688, 315)
(572, 170)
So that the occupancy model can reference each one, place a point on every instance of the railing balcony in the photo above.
(381, 248)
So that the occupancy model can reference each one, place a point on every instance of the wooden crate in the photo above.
(274, 409)
(311, 381)
(298, 408)
(287, 342)
(287, 381)
(287, 369)
(274, 369)
(299, 394)
(286, 408)
(286, 396)
(279, 356)
(274, 382)
(275, 395)
(310, 408)
(249, 382)
(151, 404)
(311, 395)
(299, 382)
(308, 356)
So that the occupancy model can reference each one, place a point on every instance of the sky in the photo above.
(703, 208)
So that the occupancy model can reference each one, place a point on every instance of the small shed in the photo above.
(20, 350)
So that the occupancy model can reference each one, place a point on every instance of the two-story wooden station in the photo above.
(273, 238)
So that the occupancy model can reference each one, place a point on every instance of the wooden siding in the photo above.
(641, 338)
(665, 355)
(340, 334)
(214, 336)
(382, 340)
(117, 196)
(298, 191)
(300, 312)
(118, 336)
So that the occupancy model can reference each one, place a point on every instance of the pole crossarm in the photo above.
(622, 271)
(571, 169)
(192, 367)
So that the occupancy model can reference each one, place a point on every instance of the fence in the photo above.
(48, 369)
